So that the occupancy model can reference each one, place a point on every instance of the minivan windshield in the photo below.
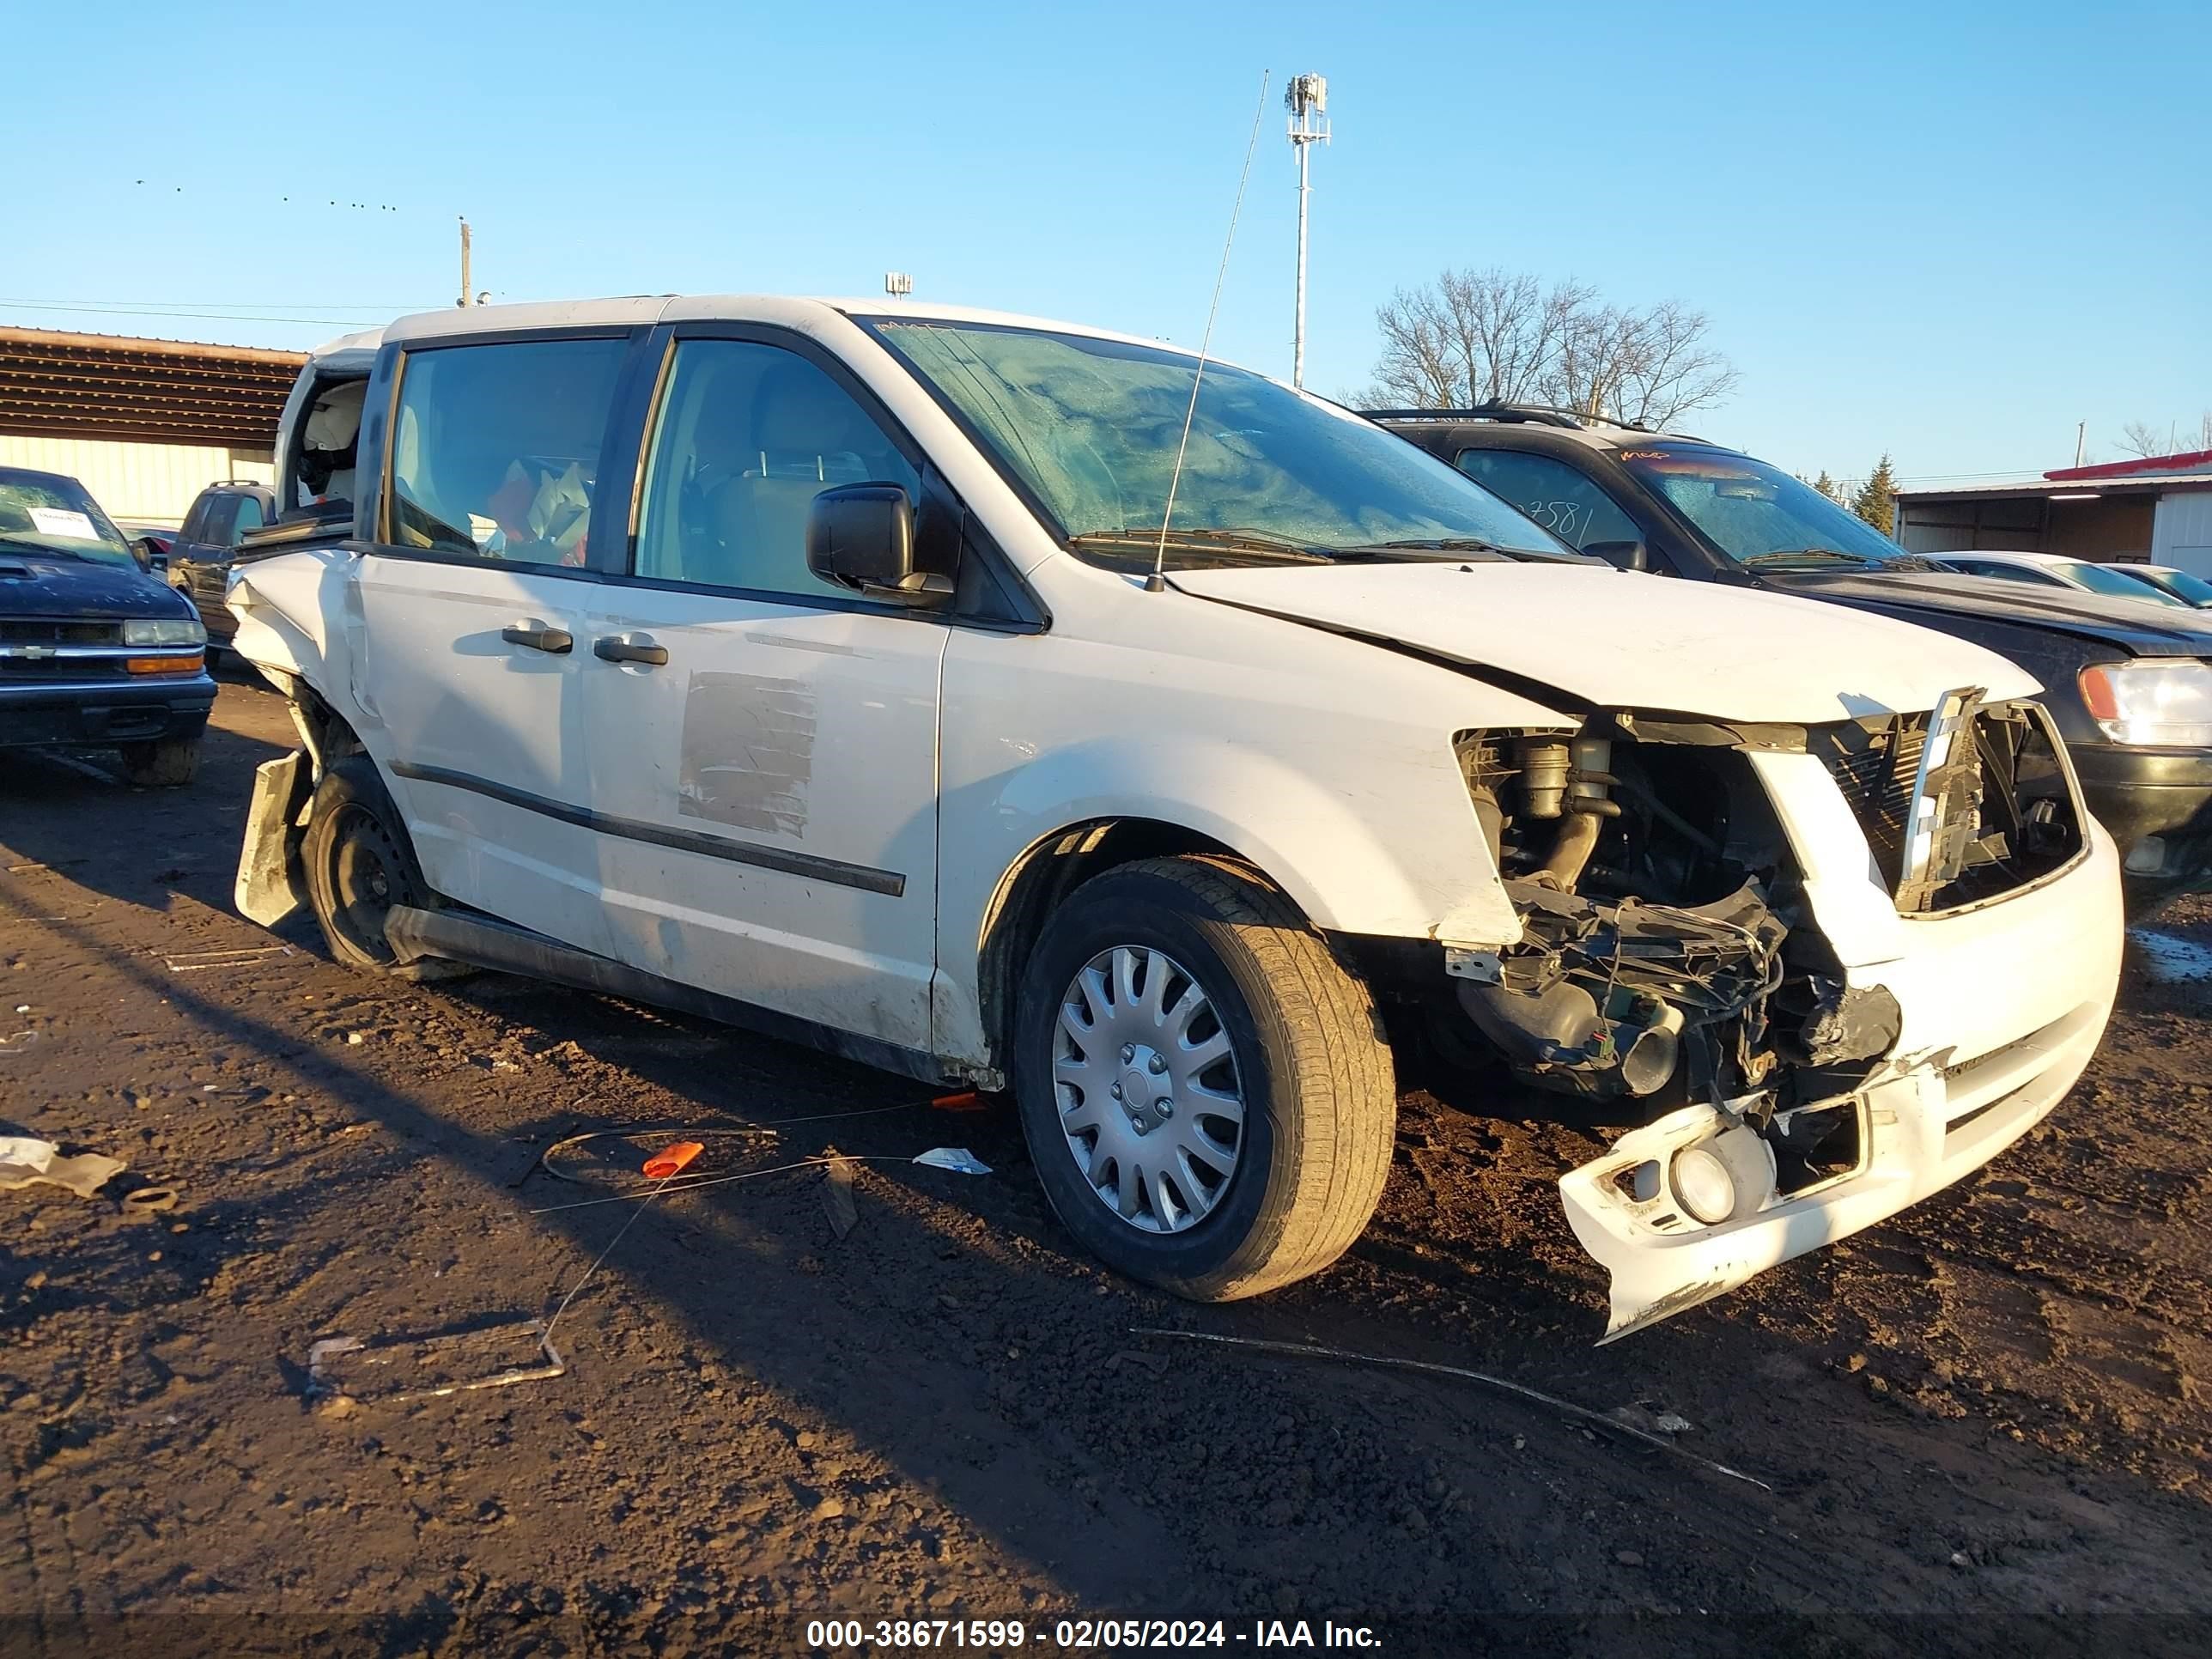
(1758, 515)
(46, 513)
(1089, 429)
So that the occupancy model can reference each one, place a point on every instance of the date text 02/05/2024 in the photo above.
(999, 1635)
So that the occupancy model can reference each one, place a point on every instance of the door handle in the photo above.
(628, 647)
(556, 641)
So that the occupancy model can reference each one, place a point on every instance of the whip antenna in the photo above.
(1157, 582)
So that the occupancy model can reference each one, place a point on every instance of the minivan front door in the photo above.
(764, 745)
(467, 618)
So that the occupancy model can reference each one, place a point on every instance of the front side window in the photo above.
(746, 437)
(1758, 515)
(1565, 502)
(46, 512)
(1090, 430)
(495, 448)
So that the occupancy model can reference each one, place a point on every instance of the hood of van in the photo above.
(1612, 639)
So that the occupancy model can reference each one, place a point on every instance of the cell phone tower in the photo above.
(1307, 99)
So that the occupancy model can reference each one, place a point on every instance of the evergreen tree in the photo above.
(1828, 487)
(1876, 500)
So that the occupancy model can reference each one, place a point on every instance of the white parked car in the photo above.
(906, 680)
(2114, 582)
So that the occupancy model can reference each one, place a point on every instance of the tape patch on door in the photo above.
(748, 751)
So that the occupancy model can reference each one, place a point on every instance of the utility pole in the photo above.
(464, 300)
(2080, 437)
(1307, 99)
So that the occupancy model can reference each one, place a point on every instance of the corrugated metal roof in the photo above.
(2132, 483)
(59, 385)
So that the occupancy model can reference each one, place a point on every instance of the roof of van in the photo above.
(638, 310)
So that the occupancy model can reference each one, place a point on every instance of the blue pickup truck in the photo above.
(94, 652)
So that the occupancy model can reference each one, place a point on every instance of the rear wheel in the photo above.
(162, 763)
(1206, 1090)
(359, 864)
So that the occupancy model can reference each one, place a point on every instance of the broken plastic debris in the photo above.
(193, 961)
(24, 1152)
(394, 1370)
(671, 1159)
(25, 1160)
(958, 1160)
(965, 1101)
(17, 1043)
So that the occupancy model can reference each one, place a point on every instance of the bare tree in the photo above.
(2141, 438)
(1474, 336)
(2138, 438)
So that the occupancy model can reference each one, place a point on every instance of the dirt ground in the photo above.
(1985, 1425)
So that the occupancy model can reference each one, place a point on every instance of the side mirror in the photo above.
(861, 536)
(1627, 556)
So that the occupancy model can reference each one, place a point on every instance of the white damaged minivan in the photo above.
(1015, 702)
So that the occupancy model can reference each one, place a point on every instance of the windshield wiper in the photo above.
(1798, 555)
(44, 551)
(1233, 544)
(1444, 547)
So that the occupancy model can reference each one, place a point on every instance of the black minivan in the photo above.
(2129, 684)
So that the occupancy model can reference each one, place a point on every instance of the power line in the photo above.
(207, 316)
(210, 305)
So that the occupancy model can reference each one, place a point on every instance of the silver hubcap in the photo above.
(1147, 1089)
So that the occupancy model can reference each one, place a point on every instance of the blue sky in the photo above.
(1950, 231)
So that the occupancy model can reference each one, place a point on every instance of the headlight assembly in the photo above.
(164, 631)
(2152, 701)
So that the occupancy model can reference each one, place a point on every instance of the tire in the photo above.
(162, 763)
(359, 864)
(1305, 1053)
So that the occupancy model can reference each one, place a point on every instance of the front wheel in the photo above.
(162, 763)
(1205, 1090)
(359, 864)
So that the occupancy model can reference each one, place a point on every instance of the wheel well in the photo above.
(1040, 880)
(324, 731)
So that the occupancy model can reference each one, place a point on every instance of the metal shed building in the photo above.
(2158, 509)
(145, 425)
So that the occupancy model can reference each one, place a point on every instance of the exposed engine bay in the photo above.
(1656, 902)
(1665, 955)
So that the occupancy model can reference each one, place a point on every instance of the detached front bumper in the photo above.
(1919, 1133)
(47, 713)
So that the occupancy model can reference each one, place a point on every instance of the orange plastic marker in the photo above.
(965, 1101)
(671, 1159)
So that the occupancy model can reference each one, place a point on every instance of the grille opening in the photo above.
(39, 630)
(2021, 821)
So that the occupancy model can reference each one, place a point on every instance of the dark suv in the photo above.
(2129, 684)
(94, 652)
(222, 516)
